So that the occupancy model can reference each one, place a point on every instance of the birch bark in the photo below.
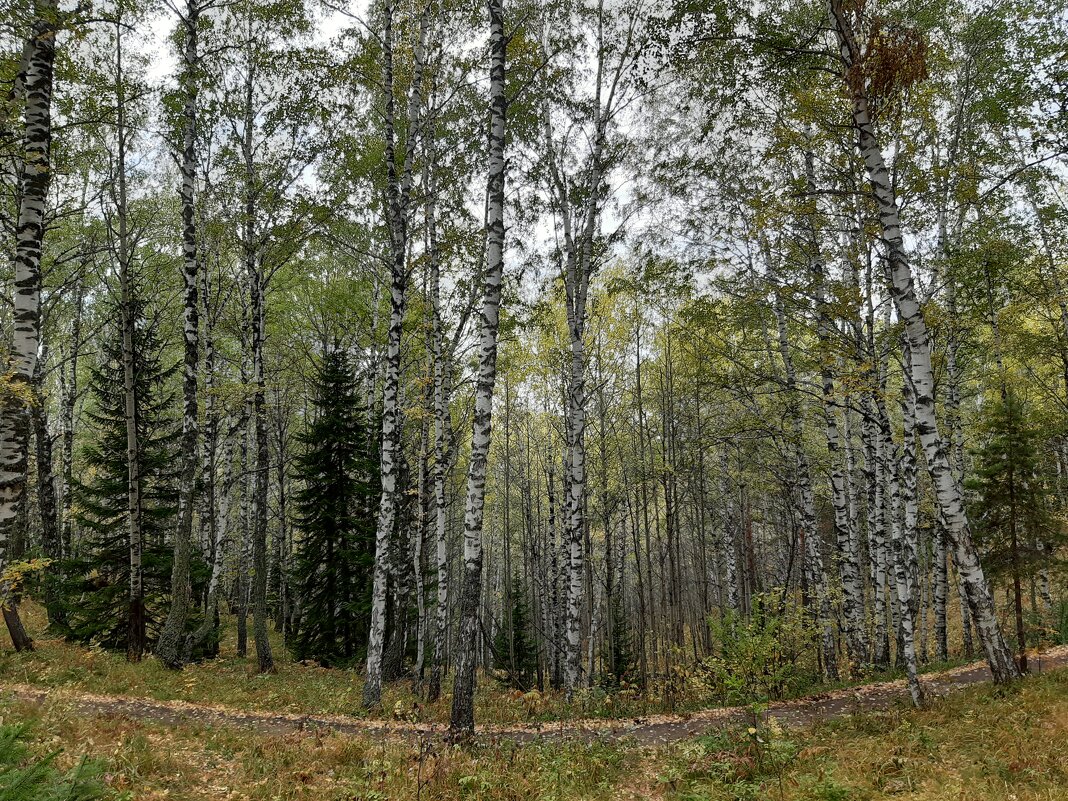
(809, 534)
(35, 178)
(848, 565)
(462, 720)
(899, 273)
(169, 648)
(398, 189)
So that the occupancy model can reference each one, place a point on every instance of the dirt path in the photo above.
(649, 731)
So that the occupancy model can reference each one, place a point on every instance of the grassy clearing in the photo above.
(984, 744)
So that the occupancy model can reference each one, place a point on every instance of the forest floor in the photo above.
(302, 697)
(648, 730)
(983, 743)
(303, 690)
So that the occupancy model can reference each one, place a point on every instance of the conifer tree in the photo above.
(97, 588)
(1011, 502)
(335, 513)
(513, 647)
(621, 654)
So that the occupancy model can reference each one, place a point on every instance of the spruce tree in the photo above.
(336, 520)
(1011, 501)
(98, 575)
(513, 648)
(621, 655)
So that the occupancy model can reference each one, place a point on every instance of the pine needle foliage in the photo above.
(25, 777)
(99, 574)
(335, 515)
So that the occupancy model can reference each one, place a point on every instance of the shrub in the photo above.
(768, 656)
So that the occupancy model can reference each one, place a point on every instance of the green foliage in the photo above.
(25, 777)
(1060, 622)
(96, 585)
(769, 656)
(1011, 499)
(621, 659)
(336, 516)
(749, 764)
(513, 648)
(15, 575)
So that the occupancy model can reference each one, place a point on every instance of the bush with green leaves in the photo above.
(25, 776)
(767, 656)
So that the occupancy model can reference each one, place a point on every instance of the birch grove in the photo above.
(631, 356)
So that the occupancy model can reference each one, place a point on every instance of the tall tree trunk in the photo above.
(260, 455)
(51, 537)
(729, 535)
(169, 648)
(463, 712)
(35, 179)
(442, 435)
(848, 566)
(809, 533)
(244, 532)
(904, 527)
(135, 637)
(398, 190)
(215, 504)
(69, 374)
(940, 592)
(899, 273)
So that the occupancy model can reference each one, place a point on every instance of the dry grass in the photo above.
(296, 688)
(984, 744)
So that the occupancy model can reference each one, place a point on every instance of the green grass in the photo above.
(30, 773)
(307, 689)
(983, 744)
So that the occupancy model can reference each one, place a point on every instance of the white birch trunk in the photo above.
(35, 178)
(899, 271)
(848, 565)
(809, 534)
(169, 648)
(398, 192)
(442, 435)
(462, 720)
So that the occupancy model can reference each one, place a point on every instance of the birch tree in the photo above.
(399, 176)
(857, 72)
(34, 89)
(462, 719)
(169, 648)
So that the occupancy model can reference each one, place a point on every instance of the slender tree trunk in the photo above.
(463, 712)
(442, 435)
(69, 402)
(980, 600)
(245, 488)
(51, 538)
(905, 548)
(807, 510)
(729, 539)
(259, 456)
(941, 592)
(135, 637)
(398, 186)
(169, 648)
(848, 566)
